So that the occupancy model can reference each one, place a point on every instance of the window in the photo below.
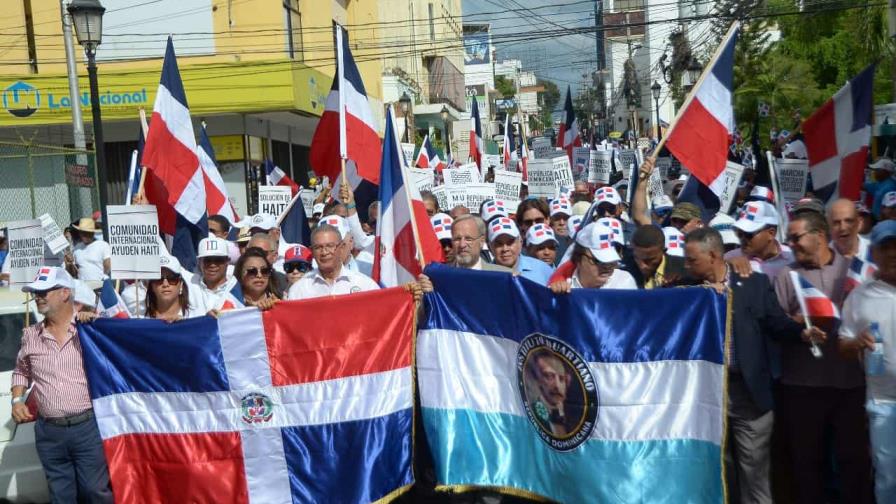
(293, 29)
(11, 326)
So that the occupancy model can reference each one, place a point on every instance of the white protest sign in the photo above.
(492, 160)
(599, 166)
(581, 158)
(134, 238)
(562, 173)
(541, 179)
(273, 199)
(52, 234)
(477, 193)
(507, 187)
(792, 174)
(541, 147)
(731, 179)
(307, 196)
(442, 197)
(408, 150)
(455, 196)
(462, 175)
(655, 186)
(26, 250)
(664, 164)
(422, 178)
(628, 160)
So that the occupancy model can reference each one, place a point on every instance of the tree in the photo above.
(549, 99)
(505, 86)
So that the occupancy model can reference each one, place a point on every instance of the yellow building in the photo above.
(257, 71)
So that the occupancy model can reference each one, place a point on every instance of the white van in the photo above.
(21, 475)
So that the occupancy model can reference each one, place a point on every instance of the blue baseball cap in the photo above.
(883, 231)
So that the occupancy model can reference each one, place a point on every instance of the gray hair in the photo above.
(708, 238)
(325, 228)
(264, 236)
(480, 224)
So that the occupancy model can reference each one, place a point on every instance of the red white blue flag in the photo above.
(860, 270)
(110, 303)
(252, 407)
(837, 137)
(702, 133)
(814, 303)
(346, 129)
(476, 151)
(216, 200)
(404, 233)
(510, 160)
(569, 136)
(428, 157)
(277, 176)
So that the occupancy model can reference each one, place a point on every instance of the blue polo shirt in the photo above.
(534, 269)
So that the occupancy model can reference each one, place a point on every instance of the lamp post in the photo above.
(444, 113)
(693, 72)
(655, 89)
(87, 16)
(405, 102)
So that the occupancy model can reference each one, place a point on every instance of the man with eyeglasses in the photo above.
(330, 277)
(596, 263)
(760, 251)
(821, 399)
(506, 245)
(467, 236)
(215, 279)
(66, 434)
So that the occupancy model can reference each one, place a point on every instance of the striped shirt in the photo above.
(57, 372)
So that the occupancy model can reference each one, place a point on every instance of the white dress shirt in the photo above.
(314, 285)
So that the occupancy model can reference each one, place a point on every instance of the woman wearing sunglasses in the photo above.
(296, 262)
(253, 271)
(168, 298)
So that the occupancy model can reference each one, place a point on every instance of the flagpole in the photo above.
(706, 71)
(797, 289)
(145, 128)
(340, 74)
(407, 195)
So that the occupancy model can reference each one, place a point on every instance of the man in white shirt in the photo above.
(757, 228)
(874, 304)
(214, 280)
(843, 220)
(596, 263)
(330, 277)
(92, 257)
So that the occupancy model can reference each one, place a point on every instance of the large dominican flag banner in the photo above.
(252, 407)
(594, 396)
(569, 137)
(702, 132)
(837, 137)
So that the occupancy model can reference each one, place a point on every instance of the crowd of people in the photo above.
(801, 405)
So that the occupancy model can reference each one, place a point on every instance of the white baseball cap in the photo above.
(441, 224)
(724, 224)
(492, 209)
(540, 233)
(674, 241)
(574, 223)
(50, 277)
(607, 195)
(599, 240)
(260, 221)
(761, 193)
(662, 202)
(318, 208)
(889, 200)
(580, 208)
(615, 225)
(171, 263)
(755, 215)
(502, 226)
(561, 206)
(883, 164)
(212, 247)
(337, 222)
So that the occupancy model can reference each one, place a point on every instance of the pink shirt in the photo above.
(57, 372)
(770, 267)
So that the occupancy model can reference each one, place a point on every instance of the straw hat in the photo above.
(87, 225)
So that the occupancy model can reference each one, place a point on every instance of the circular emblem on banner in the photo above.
(256, 408)
(558, 391)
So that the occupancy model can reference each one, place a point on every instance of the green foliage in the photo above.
(505, 86)
(550, 98)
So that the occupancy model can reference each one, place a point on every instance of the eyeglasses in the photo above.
(325, 247)
(745, 236)
(301, 266)
(214, 260)
(465, 239)
(605, 208)
(43, 293)
(531, 222)
(254, 272)
(795, 238)
(171, 279)
(601, 266)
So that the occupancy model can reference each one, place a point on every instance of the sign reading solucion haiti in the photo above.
(22, 99)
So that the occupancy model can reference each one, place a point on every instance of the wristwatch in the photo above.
(17, 400)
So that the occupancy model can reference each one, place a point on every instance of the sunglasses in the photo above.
(301, 266)
(606, 208)
(745, 236)
(531, 222)
(171, 279)
(43, 293)
(215, 260)
(254, 272)
(601, 266)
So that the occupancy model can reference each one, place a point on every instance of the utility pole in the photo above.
(892, 32)
(601, 65)
(74, 93)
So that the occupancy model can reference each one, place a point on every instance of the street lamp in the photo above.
(444, 113)
(87, 16)
(655, 89)
(693, 71)
(405, 103)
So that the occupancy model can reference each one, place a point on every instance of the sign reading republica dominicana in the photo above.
(134, 238)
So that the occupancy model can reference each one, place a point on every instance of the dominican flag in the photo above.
(476, 151)
(509, 148)
(569, 137)
(293, 223)
(524, 158)
(256, 408)
(233, 299)
(702, 133)
(837, 137)
(860, 271)
(428, 157)
(276, 176)
(403, 225)
(216, 200)
(814, 303)
(175, 181)
(110, 303)
(346, 129)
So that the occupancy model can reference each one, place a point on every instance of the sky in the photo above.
(562, 59)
